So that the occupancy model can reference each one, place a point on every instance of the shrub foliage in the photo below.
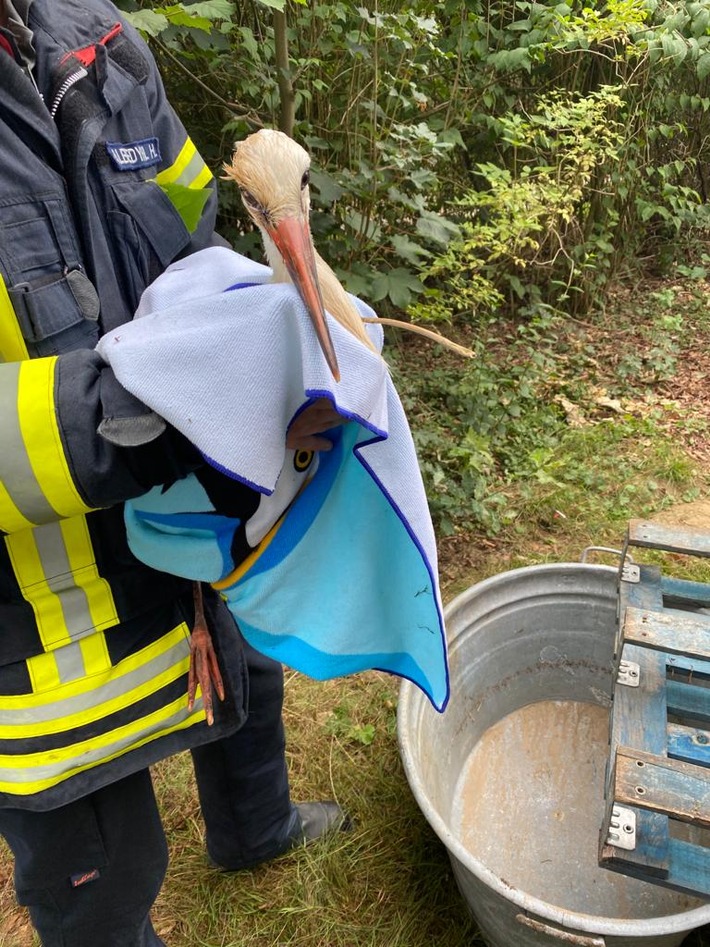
(474, 160)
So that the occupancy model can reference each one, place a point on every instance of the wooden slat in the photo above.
(689, 744)
(688, 702)
(688, 869)
(673, 632)
(670, 787)
(685, 539)
(639, 718)
(684, 591)
(659, 766)
(688, 666)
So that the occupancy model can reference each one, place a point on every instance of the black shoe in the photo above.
(319, 819)
(314, 820)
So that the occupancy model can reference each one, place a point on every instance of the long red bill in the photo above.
(293, 241)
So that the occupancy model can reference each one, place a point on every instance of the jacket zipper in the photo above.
(71, 79)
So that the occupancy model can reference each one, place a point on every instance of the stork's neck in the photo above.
(275, 260)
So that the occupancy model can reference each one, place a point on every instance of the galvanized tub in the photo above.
(510, 777)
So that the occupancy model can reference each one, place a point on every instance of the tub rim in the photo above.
(410, 697)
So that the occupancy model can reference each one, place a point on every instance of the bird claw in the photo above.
(204, 669)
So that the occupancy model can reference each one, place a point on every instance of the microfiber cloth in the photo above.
(341, 573)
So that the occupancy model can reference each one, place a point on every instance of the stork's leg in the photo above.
(204, 669)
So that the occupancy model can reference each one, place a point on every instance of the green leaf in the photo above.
(327, 187)
(213, 9)
(408, 250)
(437, 228)
(148, 22)
(181, 18)
(703, 66)
(398, 285)
(369, 228)
(272, 4)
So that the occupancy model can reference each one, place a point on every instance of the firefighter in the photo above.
(101, 188)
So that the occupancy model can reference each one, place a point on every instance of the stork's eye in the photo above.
(305, 179)
(250, 200)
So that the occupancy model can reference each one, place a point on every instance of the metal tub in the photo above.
(511, 776)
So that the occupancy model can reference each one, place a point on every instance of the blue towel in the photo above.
(341, 570)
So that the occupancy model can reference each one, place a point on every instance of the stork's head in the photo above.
(272, 174)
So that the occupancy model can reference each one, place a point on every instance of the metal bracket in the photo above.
(630, 572)
(629, 673)
(622, 828)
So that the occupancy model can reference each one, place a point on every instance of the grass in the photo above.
(388, 883)
(385, 882)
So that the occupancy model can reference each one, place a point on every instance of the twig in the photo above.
(429, 333)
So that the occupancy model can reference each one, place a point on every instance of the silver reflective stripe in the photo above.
(70, 662)
(64, 768)
(57, 709)
(58, 571)
(15, 468)
(192, 169)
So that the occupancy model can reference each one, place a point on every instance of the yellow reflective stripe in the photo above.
(188, 169)
(67, 722)
(86, 576)
(46, 604)
(202, 179)
(124, 739)
(95, 653)
(40, 433)
(171, 174)
(12, 345)
(87, 691)
(43, 672)
(24, 494)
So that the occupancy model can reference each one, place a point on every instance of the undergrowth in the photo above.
(558, 425)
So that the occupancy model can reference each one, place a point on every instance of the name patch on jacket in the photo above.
(130, 155)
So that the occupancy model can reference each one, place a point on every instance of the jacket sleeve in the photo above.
(53, 462)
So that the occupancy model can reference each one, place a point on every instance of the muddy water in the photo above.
(529, 805)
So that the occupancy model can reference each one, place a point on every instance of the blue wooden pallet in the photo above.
(659, 762)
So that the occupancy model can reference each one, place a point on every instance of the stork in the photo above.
(272, 173)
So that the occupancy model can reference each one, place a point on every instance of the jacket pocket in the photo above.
(57, 312)
(147, 232)
(56, 305)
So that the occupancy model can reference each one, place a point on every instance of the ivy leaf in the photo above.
(703, 66)
(272, 4)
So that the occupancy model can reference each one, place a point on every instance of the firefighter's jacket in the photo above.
(100, 189)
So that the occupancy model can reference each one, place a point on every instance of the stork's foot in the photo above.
(204, 669)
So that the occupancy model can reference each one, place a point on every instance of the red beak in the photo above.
(293, 241)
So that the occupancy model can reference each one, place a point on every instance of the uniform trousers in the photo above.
(90, 871)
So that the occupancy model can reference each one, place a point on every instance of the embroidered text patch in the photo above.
(131, 155)
(84, 876)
